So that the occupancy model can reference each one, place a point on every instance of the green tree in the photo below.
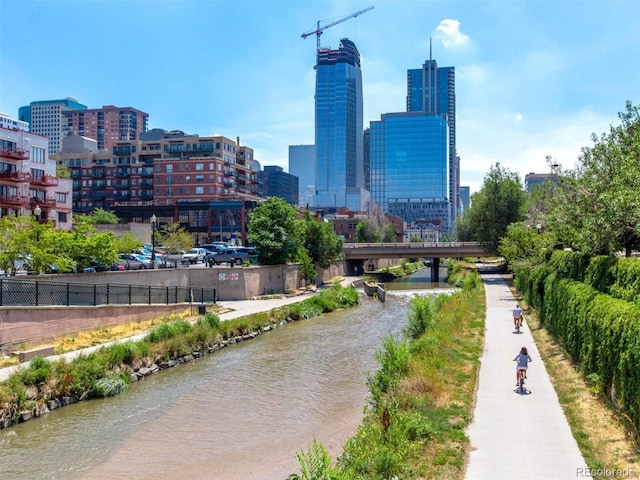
(597, 209)
(322, 243)
(174, 238)
(275, 231)
(366, 232)
(104, 217)
(500, 202)
(127, 242)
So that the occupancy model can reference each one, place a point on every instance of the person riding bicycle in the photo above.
(517, 317)
(522, 360)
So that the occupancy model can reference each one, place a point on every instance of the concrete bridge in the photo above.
(357, 253)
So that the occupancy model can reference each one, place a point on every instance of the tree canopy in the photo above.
(500, 202)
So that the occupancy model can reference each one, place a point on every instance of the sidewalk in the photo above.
(523, 436)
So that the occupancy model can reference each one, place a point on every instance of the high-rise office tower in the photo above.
(339, 130)
(431, 90)
(409, 173)
(46, 118)
(413, 167)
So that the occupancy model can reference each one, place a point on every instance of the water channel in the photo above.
(241, 413)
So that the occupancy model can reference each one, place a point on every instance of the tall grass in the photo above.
(422, 395)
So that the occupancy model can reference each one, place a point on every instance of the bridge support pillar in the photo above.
(435, 268)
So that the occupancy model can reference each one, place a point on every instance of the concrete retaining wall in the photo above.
(42, 324)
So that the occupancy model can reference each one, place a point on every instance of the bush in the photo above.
(110, 385)
(422, 315)
(38, 371)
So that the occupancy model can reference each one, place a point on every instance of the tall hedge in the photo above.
(600, 331)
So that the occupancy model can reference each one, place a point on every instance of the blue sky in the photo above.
(533, 77)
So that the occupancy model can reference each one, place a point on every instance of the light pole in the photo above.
(154, 220)
(36, 213)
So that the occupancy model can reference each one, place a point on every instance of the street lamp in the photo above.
(36, 213)
(154, 220)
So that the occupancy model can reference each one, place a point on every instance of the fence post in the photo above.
(37, 292)
(1, 290)
(129, 294)
(108, 293)
(149, 294)
(167, 296)
(68, 293)
(95, 295)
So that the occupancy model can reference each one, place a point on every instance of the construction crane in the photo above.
(318, 31)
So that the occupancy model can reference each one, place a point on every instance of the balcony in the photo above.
(121, 196)
(97, 195)
(47, 180)
(230, 173)
(121, 184)
(15, 176)
(146, 172)
(146, 183)
(122, 173)
(47, 202)
(14, 200)
(145, 195)
(15, 153)
(97, 173)
(97, 186)
(77, 173)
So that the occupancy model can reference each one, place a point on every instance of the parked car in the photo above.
(213, 247)
(195, 255)
(131, 261)
(228, 255)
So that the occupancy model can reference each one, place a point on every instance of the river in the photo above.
(240, 413)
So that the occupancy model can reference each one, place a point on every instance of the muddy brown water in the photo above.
(240, 413)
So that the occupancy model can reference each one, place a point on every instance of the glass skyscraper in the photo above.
(339, 129)
(432, 89)
(409, 166)
(413, 166)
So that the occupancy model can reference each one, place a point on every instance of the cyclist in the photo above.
(517, 317)
(522, 360)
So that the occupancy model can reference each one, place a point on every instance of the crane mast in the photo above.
(318, 31)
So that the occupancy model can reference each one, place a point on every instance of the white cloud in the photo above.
(449, 33)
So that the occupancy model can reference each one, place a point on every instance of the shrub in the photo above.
(38, 371)
(422, 315)
(394, 361)
(110, 385)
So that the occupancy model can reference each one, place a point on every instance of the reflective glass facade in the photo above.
(431, 89)
(409, 165)
(339, 143)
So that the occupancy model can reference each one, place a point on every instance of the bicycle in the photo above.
(518, 323)
(521, 376)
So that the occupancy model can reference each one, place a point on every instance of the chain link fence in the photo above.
(15, 292)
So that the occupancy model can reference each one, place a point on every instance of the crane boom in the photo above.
(318, 31)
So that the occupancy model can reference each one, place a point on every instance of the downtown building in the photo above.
(273, 181)
(339, 179)
(46, 118)
(208, 185)
(412, 162)
(28, 181)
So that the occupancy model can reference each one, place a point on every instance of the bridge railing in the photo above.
(411, 245)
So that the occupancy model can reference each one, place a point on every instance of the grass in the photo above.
(604, 438)
(90, 338)
(422, 398)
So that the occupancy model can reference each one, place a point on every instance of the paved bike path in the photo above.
(513, 435)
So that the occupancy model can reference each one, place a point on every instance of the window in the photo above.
(62, 217)
(199, 190)
(199, 167)
(61, 197)
(199, 178)
(169, 168)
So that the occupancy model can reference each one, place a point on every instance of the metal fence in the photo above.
(15, 292)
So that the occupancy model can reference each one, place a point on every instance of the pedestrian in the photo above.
(517, 317)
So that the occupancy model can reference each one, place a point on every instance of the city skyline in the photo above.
(533, 78)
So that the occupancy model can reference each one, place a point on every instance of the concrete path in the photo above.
(513, 435)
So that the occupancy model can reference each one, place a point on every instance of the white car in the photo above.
(195, 255)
